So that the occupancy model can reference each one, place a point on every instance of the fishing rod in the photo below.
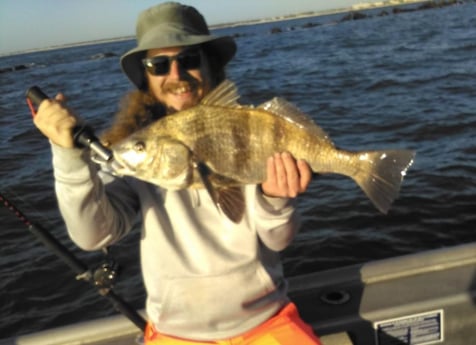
(102, 278)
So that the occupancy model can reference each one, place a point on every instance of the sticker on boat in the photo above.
(417, 329)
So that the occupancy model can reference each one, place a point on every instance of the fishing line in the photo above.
(13, 209)
(78, 267)
(9, 194)
(31, 106)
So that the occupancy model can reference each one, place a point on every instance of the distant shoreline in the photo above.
(354, 8)
(358, 7)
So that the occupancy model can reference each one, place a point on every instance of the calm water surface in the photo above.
(397, 81)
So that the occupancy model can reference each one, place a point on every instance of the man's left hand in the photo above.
(286, 176)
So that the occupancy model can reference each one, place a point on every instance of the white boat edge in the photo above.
(352, 305)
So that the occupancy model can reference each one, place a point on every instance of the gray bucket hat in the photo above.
(172, 24)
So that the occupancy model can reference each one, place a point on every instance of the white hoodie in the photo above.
(206, 277)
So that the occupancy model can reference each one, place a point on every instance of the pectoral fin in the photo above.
(227, 196)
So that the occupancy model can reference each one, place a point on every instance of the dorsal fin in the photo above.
(288, 111)
(225, 95)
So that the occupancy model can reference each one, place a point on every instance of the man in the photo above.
(208, 280)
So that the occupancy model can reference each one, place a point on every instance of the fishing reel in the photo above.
(105, 276)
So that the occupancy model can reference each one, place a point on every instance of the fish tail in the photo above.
(380, 175)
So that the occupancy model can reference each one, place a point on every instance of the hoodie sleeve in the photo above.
(276, 220)
(97, 211)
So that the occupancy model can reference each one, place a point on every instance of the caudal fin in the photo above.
(381, 173)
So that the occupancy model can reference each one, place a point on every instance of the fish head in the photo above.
(162, 160)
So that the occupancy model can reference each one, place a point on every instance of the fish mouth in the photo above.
(113, 165)
(121, 166)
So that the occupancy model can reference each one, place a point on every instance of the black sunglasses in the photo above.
(160, 65)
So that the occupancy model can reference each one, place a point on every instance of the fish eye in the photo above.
(139, 146)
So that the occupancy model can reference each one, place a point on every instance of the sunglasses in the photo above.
(160, 65)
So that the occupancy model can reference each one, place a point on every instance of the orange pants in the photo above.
(285, 328)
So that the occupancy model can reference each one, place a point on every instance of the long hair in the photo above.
(137, 109)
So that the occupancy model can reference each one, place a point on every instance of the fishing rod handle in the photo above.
(83, 136)
(35, 95)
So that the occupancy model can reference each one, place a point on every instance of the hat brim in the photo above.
(224, 47)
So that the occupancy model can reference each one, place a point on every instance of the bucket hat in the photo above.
(172, 24)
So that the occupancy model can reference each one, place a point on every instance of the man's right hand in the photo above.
(56, 121)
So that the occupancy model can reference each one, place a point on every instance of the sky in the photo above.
(38, 24)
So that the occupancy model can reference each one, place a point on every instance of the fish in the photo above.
(222, 145)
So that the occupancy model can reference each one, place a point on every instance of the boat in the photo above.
(416, 299)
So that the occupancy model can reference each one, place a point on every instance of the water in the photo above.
(403, 81)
